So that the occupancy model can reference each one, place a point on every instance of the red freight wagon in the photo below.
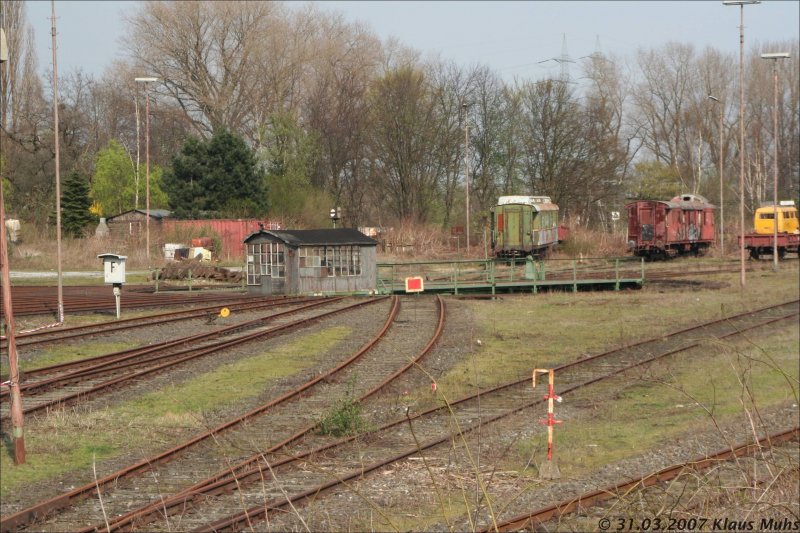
(657, 229)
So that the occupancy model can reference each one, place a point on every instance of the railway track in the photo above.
(360, 375)
(42, 300)
(540, 518)
(89, 378)
(204, 506)
(60, 334)
(467, 415)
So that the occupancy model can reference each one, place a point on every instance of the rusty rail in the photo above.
(537, 518)
(41, 509)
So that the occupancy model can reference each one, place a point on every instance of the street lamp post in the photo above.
(775, 56)
(147, 160)
(721, 182)
(741, 4)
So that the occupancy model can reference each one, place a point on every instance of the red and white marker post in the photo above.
(549, 469)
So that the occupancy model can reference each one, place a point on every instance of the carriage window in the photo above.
(767, 216)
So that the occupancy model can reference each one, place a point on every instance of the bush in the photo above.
(344, 419)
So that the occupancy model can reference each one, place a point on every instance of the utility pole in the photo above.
(775, 57)
(147, 159)
(17, 420)
(721, 182)
(58, 171)
(741, 4)
(465, 106)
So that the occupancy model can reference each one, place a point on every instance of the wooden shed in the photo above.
(133, 222)
(318, 261)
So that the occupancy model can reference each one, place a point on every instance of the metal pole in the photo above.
(17, 418)
(721, 182)
(138, 146)
(775, 167)
(147, 167)
(466, 168)
(742, 277)
(58, 169)
(775, 56)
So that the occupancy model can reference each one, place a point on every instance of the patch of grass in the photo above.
(59, 354)
(519, 333)
(677, 399)
(65, 441)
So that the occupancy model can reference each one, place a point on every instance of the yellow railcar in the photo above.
(787, 219)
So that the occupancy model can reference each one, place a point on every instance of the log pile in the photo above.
(199, 270)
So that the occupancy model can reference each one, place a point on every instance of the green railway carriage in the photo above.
(524, 225)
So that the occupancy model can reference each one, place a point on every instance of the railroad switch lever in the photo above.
(549, 469)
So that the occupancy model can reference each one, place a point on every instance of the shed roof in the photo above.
(155, 213)
(317, 237)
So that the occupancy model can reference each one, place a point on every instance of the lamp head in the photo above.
(775, 55)
(740, 2)
(145, 80)
(710, 97)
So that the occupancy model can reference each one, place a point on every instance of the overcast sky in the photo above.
(512, 38)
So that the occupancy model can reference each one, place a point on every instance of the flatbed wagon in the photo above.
(759, 244)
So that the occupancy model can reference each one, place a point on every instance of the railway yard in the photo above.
(678, 407)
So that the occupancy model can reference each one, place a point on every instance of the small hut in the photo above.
(318, 261)
(133, 222)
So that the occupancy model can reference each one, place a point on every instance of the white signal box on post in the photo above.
(113, 268)
(114, 274)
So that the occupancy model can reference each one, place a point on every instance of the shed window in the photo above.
(329, 261)
(265, 259)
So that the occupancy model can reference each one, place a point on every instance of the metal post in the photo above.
(775, 167)
(147, 167)
(117, 292)
(741, 4)
(774, 57)
(549, 470)
(58, 169)
(146, 82)
(721, 182)
(742, 276)
(466, 167)
(17, 419)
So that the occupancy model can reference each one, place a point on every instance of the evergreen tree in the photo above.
(216, 178)
(75, 205)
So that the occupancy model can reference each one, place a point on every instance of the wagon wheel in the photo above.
(754, 253)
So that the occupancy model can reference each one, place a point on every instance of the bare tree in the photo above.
(453, 103)
(212, 58)
(404, 142)
(336, 109)
(24, 118)
(662, 100)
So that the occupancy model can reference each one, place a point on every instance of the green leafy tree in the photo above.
(114, 187)
(216, 178)
(75, 205)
